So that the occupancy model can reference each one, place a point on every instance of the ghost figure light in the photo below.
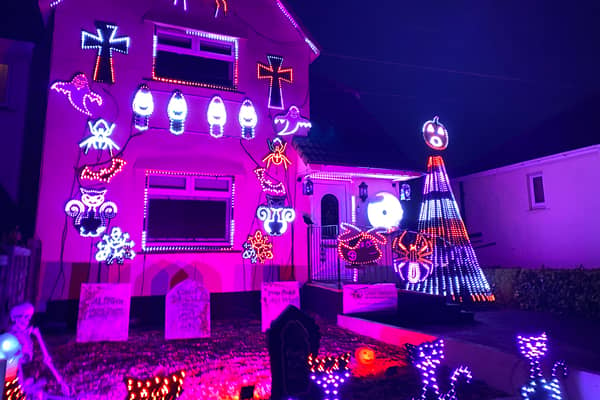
(435, 134)
(177, 110)
(275, 219)
(385, 211)
(143, 107)
(78, 92)
(413, 262)
(216, 115)
(101, 131)
(248, 119)
(91, 214)
(291, 123)
(115, 247)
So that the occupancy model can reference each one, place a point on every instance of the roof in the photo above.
(21, 20)
(344, 133)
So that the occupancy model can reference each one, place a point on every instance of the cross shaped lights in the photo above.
(275, 74)
(105, 41)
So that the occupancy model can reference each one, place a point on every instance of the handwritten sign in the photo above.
(103, 312)
(187, 313)
(368, 298)
(276, 296)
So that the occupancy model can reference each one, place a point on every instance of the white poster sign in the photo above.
(103, 312)
(276, 296)
(368, 298)
(187, 311)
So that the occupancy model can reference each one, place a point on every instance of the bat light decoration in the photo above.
(248, 119)
(216, 115)
(413, 262)
(92, 213)
(78, 92)
(291, 123)
(100, 139)
(104, 174)
(143, 107)
(115, 247)
(277, 155)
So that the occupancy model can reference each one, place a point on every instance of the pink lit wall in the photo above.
(563, 234)
(263, 29)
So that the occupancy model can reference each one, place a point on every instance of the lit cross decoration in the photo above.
(105, 41)
(100, 138)
(277, 155)
(115, 247)
(276, 75)
(78, 92)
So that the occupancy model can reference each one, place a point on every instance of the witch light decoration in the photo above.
(358, 247)
(101, 131)
(216, 116)
(412, 259)
(268, 185)
(248, 119)
(291, 123)
(435, 134)
(115, 247)
(143, 107)
(78, 92)
(177, 110)
(92, 213)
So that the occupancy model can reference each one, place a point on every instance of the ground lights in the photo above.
(160, 387)
(330, 373)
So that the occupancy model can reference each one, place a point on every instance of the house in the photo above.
(539, 212)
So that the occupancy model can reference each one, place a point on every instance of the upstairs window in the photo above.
(196, 58)
(537, 197)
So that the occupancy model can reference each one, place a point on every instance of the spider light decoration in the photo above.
(161, 387)
(277, 154)
(257, 248)
(427, 358)
(101, 131)
(534, 348)
(413, 262)
(330, 373)
(358, 247)
(115, 247)
(92, 213)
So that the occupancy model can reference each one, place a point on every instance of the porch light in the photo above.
(307, 187)
(363, 191)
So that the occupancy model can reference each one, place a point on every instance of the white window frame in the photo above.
(532, 204)
(189, 193)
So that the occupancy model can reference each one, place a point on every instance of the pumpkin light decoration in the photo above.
(365, 356)
(435, 134)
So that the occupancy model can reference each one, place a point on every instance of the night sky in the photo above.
(511, 80)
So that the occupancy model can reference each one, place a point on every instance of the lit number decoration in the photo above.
(358, 247)
(104, 174)
(160, 387)
(257, 248)
(435, 134)
(413, 261)
(534, 348)
(177, 110)
(275, 74)
(115, 247)
(216, 116)
(91, 214)
(78, 92)
(248, 119)
(101, 131)
(277, 155)
(143, 107)
(275, 219)
(105, 41)
(330, 373)
(291, 123)
(427, 358)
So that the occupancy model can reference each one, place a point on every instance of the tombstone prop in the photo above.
(187, 312)
(293, 336)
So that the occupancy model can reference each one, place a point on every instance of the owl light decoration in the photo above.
(115, 247)
(248, 119)
(216, 116)
(92, 213)
(143, 107)
(177, 111)
(291, 123)
(101, 130)
(275, 219)
(358, 247)
(412, 260)
(435, 134)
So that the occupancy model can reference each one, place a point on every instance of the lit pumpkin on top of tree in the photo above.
(435, 134)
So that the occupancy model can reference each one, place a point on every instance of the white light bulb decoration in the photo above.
(385, 211)
(248, 119)
(143, 107)
(216, 115)
(177, 111)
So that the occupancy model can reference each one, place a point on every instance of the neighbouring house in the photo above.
(540, 212)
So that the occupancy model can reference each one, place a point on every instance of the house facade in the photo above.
(535, 213)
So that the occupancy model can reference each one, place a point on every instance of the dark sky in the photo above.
(511, 80)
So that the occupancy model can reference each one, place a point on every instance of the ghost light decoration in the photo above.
(248, 119)
(412, 259)
(435, 134)
(92, 213)
(275, 219)
(100, 130)
(358, 247)
(384, 211)
(177, 111)
(143, 107)
(216, 116)
(291, 123)
(115, 247)
(78, 92)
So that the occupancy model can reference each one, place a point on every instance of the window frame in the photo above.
(196, 37)
(533, 205)
(190, 192)
(6, 102)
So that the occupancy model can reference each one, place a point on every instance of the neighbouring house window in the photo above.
(537, 197)
(196, 58)
(3, 84)
(188, 212)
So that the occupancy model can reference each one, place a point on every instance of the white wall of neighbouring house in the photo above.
(562, 234)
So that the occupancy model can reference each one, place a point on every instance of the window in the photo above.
(3, 84)
(188, 212)
(195, 58)
(537, 198)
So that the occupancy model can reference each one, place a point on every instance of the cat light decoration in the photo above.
(534, 348)
(275, 219)
(291, 123)
(216, 116)
(435, 134)
(248, 119)
(358, 247)
(330, 373)
(116, 247)
(427, 357)
(143, 107)
(100, 130)
(413, 259)
(177, 111)
(92, 213)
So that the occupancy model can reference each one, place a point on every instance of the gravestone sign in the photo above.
(369, 298)
(187, 311)
(276, 296)
(290, 339)
(103, 312)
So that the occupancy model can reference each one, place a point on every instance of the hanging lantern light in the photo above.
(307, 187)
(363, 191)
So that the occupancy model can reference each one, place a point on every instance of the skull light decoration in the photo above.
(143, 107)
(216, 115)
(177, 110)
(92, 214)
(435, 134)
(248, 119)
(116, 247)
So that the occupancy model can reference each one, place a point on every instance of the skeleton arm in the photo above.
(48, 360)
